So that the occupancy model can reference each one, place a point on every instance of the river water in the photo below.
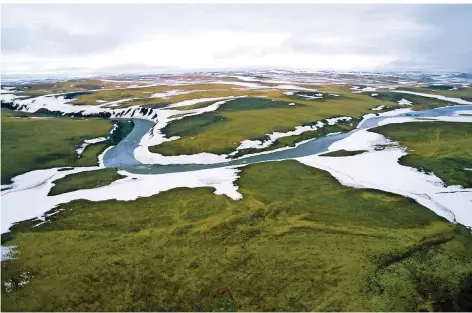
(121, 156)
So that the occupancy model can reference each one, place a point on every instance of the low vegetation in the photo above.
(123, 128)
(84, 180)
(342, 153)
(445, 90)
(297, 241)
(444, 148)
(291, 141)
(418, 102)
(252, 118)
(143, 93)
(194, 106)
(29, 144)
(70, 86)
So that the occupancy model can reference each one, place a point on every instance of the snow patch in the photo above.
(28, 197)
(155, 137)
(370, 170)
(467, 112)
(358, 89)
(308, 97)
(8, 252)
(87, 142)
(404, 102)
(258, 144)
(439, 97)
(118, 102)
(196, 101)
(398, 120)
(461, 119)
(388, 113)
(293, 87)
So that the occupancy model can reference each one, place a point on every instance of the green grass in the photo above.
(84, 180)
(63, 87)
(418, 102)
(246, 104)
(29, 144)
(247, 121)
(194, 106)
(444, 148)
(291, 141)
(462, 92)
(143, 94)
(325, 96)
(192, 125)
(342, 153)
(297, 241)
(124, 127)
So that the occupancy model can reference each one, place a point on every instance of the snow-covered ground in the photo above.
(8, 252)
(196, 101)
(381, 170)
(357, 89)
(380, 107)
(258, 144)
(155, 137)
(28, 197)
(463, 113)
(87, 142)
(293, 87)
(60, 104)
(404, 102)
(383, 114)
(463, 119)
(398, 120)
(439, 97)
(160, 116)
(308, 97)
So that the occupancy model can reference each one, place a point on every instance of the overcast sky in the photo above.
(118, 38)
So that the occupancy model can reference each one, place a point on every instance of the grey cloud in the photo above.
(245, 51)
(48, 41)
(420, 36)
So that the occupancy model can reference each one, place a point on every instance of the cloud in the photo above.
(126, 37)
(45, 41)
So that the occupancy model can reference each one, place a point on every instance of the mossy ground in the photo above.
(291, 141)
(74, 85)
(342, 153)
(418, 102)
(444, 90)
(249, 121)
(84, 180)
(143, 94)
(297, 241)
(444, 148)
(29, 144)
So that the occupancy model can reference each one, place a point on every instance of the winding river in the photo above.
(122, 155)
